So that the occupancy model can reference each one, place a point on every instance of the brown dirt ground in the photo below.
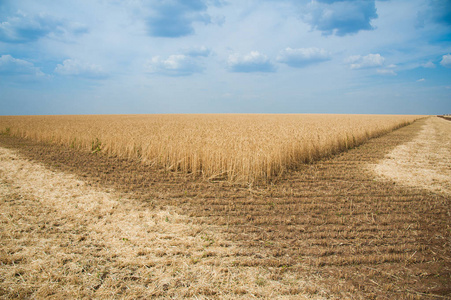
(119, 228)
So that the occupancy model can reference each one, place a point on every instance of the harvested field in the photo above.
(423, 163)
(330, 229)
(228, 147)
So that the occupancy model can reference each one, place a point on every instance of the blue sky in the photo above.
(225, 56)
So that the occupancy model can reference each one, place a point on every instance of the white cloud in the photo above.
(11, 66)
(174, 65)
(446, 61)
(368, 61)
(386, 72)
(302, 57)
(428, 65)
(252, 62)
(421, 80)
(198, 51)
(73, 67)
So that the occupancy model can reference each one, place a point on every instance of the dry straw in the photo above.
(238, 147)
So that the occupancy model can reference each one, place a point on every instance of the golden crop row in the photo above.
(236, 146)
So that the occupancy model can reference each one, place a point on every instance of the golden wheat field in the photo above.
(238, 147)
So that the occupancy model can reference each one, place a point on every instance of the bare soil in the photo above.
(77, 225)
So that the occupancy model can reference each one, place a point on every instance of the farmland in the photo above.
(77, 222)
(234, 147)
